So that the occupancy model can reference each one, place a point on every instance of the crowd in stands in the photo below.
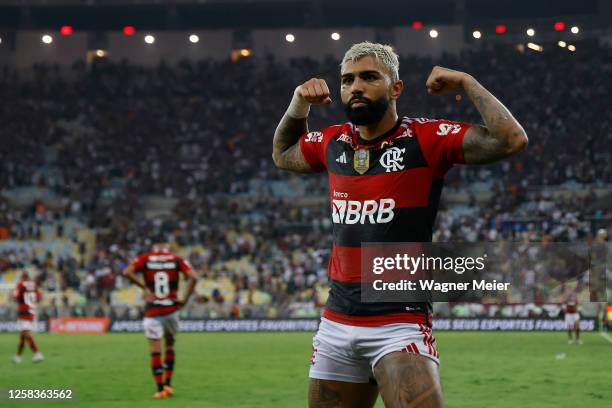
(102, 138)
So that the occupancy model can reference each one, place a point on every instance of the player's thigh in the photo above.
(171, 326)
(408, 380)
(154, 331)
(340, 394)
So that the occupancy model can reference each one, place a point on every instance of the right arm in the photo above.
(286, 151)
(130, 273)
(192, 279)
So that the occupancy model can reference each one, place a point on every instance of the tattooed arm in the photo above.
(286, 151)
(501, 137)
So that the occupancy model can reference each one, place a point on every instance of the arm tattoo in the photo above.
(502, 136)
(286, 151)
(321, 396)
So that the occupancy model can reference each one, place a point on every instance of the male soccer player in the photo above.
(161, 270)
(27, 296)
(385, 180)
(572, 320)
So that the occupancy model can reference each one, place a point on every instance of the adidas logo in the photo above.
(342, 158)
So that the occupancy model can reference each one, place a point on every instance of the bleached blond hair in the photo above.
(383, 53)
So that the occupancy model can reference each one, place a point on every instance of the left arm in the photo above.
(501, 137)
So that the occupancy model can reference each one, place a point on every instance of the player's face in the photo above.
(365, 91)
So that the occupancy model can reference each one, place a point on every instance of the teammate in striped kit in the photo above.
(572, 320)
(161, 270)
(27, 296)
(385, 180)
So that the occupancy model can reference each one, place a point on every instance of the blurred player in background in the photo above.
(572, 320)
(27, 296)
(161, 270)
(385, 180)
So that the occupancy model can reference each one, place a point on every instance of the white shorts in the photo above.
(571, 319)
(161, 326)
(26, 325)
(349, 353)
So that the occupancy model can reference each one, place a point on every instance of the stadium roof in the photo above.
(185, 14)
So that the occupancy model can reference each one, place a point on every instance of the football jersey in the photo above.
(571, 307)
(161, 276)
(28, 296)
(384, 190)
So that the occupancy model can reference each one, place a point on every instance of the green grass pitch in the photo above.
(271, 370)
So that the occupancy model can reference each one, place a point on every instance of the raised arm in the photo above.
(501, 137)
(286, 151)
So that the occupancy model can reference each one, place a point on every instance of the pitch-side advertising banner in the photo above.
(75, 325)
(311, 325)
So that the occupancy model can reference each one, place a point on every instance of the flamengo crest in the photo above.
(392, 158)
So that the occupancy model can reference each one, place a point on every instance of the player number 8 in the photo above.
(162, 284)
(29, 298)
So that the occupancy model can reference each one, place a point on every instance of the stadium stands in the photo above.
(101, 158)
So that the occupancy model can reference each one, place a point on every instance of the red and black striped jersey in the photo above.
(161, 272)
(382, 190)
(27, 296)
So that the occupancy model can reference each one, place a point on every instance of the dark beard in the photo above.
(372, 113)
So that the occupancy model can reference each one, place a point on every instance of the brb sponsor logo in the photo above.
(391, 160)
(363, 212)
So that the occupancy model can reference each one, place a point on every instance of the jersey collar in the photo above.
(400, 126)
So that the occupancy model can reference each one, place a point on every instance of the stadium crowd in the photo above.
(103, 138)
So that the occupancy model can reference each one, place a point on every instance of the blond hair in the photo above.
(383, 53)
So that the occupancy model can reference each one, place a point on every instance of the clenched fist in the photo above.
(314, 91)
(443, 80)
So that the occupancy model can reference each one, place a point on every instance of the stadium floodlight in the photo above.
(66, 30)
(530, 32)
(0, 40)
(47, 39)
(149, 39)
(571, 47)
(129, 30)
(433, 33)
(194, 38)
(335, 36)
(562, 44)
(290, 37)
(500, 29)
(245, 52)
(575, 30)
(417, 25)
(535, 47)
(101, 53)
(477, 34)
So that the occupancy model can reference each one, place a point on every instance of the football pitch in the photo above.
(271, 370)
